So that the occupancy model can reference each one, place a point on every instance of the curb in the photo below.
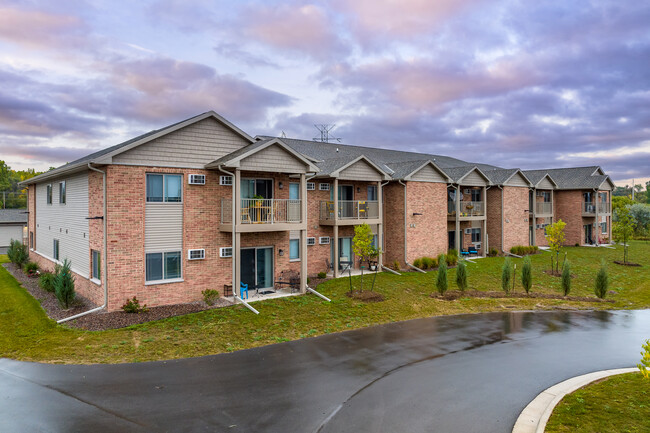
(534, 417)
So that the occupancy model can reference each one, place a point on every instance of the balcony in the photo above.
(468, 210)
(544, 209)
(262, 214)
(351, 212)
(589, 208)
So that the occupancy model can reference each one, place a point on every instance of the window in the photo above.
(225, 180)
(55, 249)
(603, 228)
(96, 264)
(164, 187)
(62, 192)
(196, 254)
(311, 186)
(476, 194)
(476, 235)
(294, 249)
(324, 186)
(31, 240)
(49, 194)
(163, 266)
(225, 252)
(372, 193)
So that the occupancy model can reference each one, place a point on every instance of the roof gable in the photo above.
(428, 172)
(360, 161)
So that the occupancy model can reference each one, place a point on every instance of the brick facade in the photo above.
(426, 233)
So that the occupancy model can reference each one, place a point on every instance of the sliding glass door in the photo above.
(257, 267)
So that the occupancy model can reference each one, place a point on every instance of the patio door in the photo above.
(294, 202)
(256, 187)
(257, 267)
(452, 239)
(588, 238)
(345, 251)
(346, 205)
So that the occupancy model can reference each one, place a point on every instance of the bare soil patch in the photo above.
(452, 295)
(102, 320)
(626, 263)
(365, 296)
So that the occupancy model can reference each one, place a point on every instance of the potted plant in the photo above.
(258, 200)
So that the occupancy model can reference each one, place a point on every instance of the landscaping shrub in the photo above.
(524, 250)
(17, 252)
(210, 296)
(46, 281)
(396, 266)
(441, 258)
(429, 262)
(452, 257)
(602, 282)
(64, 285)
(644, 367)
(441, 280)
(133, 306)
(527, 275)
(322, 275)
(461, 276)
(31, 269)
(506, 275)
(566, 278)
(418, 263)
(493, 252)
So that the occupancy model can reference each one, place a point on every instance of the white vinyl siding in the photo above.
(517, 180)
(473, 179)
(274, 159)
(360, 170)
(428, 174)
(66, 222)
(163, 227)
(192, 147)
(8, 232)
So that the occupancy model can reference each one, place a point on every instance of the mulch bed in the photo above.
(103, 320)
(626, 263)
(452, 295)
(365, 296)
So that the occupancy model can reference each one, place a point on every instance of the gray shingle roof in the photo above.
(569, 178)
(13, 216)
(500, 175)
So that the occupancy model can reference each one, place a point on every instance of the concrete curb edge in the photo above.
(534, 417)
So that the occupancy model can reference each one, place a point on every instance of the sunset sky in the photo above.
(528, 84)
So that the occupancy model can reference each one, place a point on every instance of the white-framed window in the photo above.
(225, 180)
(49, 194)
(603, 228)
(166, 188)
(163, 266)
(294, 249)
(323, 186)
(196, 179)
(476, 235)
(324, 240)
(198, 254)
(476, 194)
(96, 265)
(311, 241)
(31, 240)
(372, 192)
(311, 186)
(62, 192)
(225, 252)
(55, 249)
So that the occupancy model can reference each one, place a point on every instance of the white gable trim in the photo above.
(522, 175)
(549, 178)
(478, 170)
(432, 164)
(383, 174)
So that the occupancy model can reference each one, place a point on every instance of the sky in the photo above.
(512, 83)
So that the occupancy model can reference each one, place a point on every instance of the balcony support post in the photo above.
(596, 209)
(458, 232)
(534, 212)
(335, 259)
(303, 233)
(380, 226)
(236, 238)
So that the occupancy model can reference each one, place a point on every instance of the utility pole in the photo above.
(633, 189)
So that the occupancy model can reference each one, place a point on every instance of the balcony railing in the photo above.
(589, 208)
(544, 208)
(262, 211)
(350, 209)
(467, 208)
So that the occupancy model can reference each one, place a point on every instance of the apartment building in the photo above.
(201, 204)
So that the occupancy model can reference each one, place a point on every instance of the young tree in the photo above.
(555, 237)
(566, 279)
(602, 281)
(644, 367)
(623, 229)
(527, 274)
(441, 281)
(64, 285)
(362, 246)
(461, 276)
(506, 275)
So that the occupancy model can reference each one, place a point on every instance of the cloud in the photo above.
(234, 51)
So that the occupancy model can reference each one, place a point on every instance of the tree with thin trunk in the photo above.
(566, 278)
(623, 229)
(461, 276)
(555, 238)
(363, 246)
(527, 274)
(506, 275)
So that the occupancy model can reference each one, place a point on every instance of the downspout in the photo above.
(105, 253)
(405, 241)
(234, 234)
(502, 216)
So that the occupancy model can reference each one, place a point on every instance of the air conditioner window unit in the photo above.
(468, 231)
(324, 240)
(225, 180)
(225, 252)
(196, 179)
(468, 191)
(311, 241)
(196, 254)
(311, 186)
(324, 186)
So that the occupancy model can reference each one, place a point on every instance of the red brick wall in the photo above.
(568, 208)
(494, 217)
(515, 223)
(426, 233)
(394, 224)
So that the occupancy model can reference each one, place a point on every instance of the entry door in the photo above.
(294, 202)
(346, 206)
(257, 267)
(452, 239)
(345, 250)
(588, 239)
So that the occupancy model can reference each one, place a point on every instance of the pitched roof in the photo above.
(13, 216)
(570, 178)
(500, 176)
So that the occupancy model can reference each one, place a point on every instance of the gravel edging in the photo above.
(534, 417)
(103, 320)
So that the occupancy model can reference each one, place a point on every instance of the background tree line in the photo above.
(641, 193)
(13, 196)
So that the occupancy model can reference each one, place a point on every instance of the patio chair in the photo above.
(243, 288)
(463, 252)
(472, 251)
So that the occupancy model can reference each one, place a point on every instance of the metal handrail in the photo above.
(350, 209)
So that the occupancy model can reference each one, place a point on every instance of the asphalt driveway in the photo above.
(470, 373)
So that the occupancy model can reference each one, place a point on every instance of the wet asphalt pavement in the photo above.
(471, 373)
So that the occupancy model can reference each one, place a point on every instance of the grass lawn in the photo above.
(617, 404)
(27, 334)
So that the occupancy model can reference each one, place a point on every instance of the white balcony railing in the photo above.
(544, 208)
(263, 211)
(350, 209)
(467, 208)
